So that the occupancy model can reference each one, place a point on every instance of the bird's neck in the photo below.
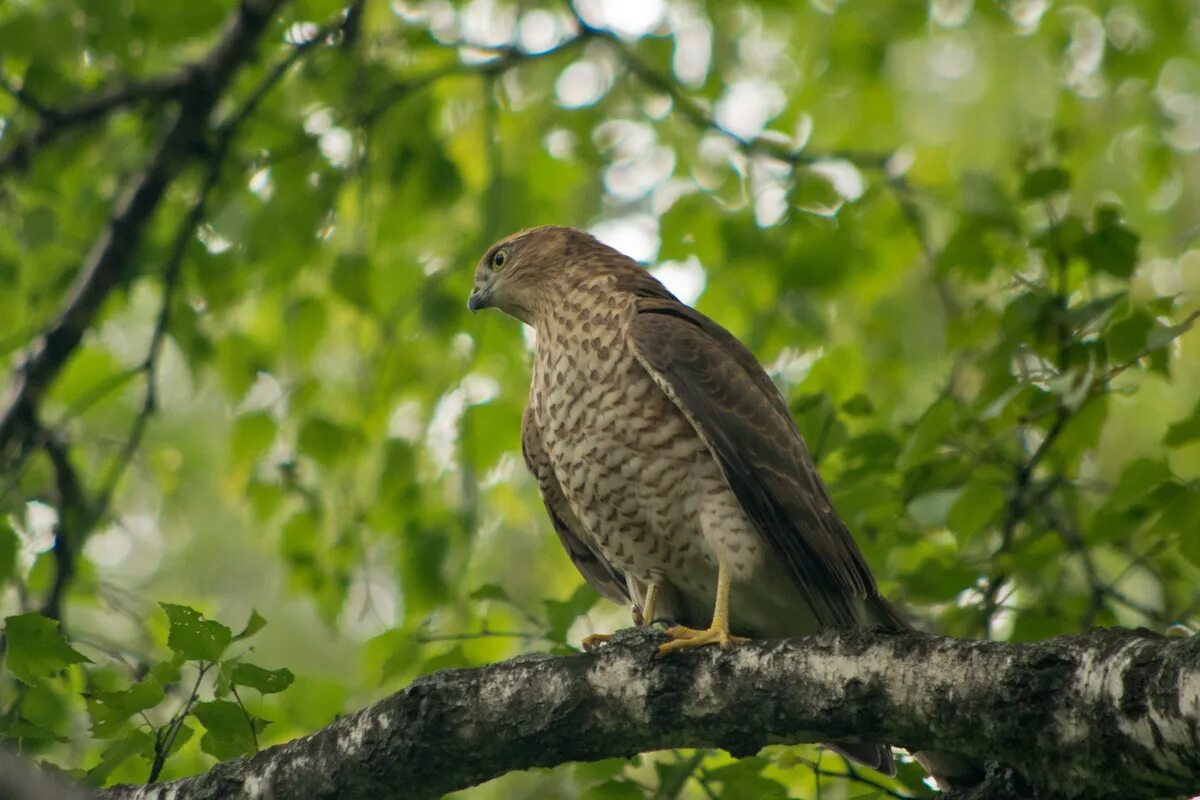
(569, 303)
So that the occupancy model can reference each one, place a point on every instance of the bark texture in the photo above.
(1104, 715)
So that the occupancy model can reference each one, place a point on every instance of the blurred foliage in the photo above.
(962, 234)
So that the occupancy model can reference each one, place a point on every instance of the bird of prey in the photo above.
(667, 459)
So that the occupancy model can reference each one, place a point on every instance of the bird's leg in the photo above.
(648, 605)
(717, 633)
(645, 617)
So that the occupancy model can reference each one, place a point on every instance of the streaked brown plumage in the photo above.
(667, 459)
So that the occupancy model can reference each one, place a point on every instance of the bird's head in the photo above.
(523, 272)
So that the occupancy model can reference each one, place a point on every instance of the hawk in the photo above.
(667, 459)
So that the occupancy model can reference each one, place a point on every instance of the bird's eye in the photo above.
(499, 258)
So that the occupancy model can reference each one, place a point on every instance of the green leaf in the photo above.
(490, 591)
(1126, 339)
(136, 742)
(90, 368)
(229, 730)
(985, 199)
(40, 225)
(109, 710)
(327, 441)
(1045, 182)
(934, 426)
(614, 790)
(350, 280)
(967, 251)
(253, 625)
(252, 434)
(266, 681)
(744, 778)
(1178, 520)
(168, 672)
(1137, 481)
(37, 648)
(306, 325)
(931, 510)
(1082, 430)
(10, 545)
(1163, 335)
(1181, 432)
(391, 653)
(563, 613)
(1111, 247)
(605, 769)
(858, 406)
(193, 636)
(980, 503)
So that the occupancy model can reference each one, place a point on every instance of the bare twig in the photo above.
(246, 714)
(855, 775)
(111, 259)
(55, 122)
(165, 737)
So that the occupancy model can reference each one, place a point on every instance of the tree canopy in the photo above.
(259, 466)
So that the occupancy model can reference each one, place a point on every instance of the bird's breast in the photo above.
(631, 466)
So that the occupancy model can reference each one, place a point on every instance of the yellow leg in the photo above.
(648, 608)
(646, 617)
(717, 633)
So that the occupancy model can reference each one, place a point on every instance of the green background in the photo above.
(959, 234)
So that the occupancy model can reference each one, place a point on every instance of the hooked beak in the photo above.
(477, 300)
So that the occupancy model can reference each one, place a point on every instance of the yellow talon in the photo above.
(594, 640)
(685, 638)
(717, 633)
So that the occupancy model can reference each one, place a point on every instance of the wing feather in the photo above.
(598, 572)
(742, 417)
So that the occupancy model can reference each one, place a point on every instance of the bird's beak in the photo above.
(477, 300)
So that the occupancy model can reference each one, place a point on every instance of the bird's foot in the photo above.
(686, 638)
(594, 640)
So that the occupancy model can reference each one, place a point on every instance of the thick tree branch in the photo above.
(109, 262)
(54, 122)
(1106, 714)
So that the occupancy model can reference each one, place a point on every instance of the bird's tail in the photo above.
(886, 616)
(949, 770)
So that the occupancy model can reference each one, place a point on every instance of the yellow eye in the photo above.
(499, 258)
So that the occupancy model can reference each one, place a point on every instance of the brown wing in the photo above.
(603, 576)
(743, 419)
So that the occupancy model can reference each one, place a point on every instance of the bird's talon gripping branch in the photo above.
(684, 638)
(594, 640)
(661, 447)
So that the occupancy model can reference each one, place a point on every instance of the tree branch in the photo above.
(54, 122)
(109, 262)
(1108, 714)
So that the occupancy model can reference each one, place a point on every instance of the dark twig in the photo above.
(701, 117)
(853, 774)
(54, 122)
(111, 260)
(246, 715)
(75, 512)
(165, 737)
(671, 787)
(184, 236)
